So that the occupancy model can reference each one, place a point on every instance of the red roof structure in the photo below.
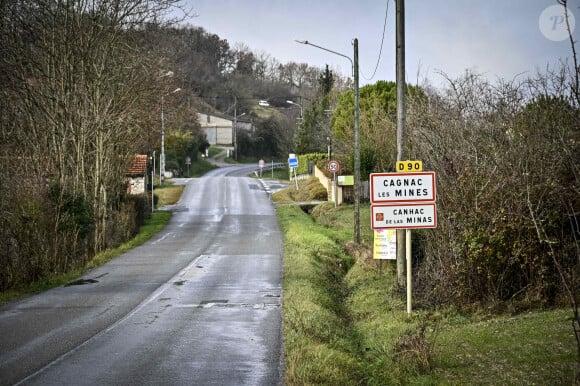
(138, 165)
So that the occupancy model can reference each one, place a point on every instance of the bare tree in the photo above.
(78, 98)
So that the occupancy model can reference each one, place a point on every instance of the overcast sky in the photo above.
(499, 38)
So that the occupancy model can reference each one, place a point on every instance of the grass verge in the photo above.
(200, 167)
(345, 321)
(316, 329)
(168, 194)
(151, 227)
(276, 174)
(308, 190)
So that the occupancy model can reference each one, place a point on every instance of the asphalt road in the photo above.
(199, 304)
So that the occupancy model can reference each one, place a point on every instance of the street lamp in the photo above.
(355, 72)
(153, 183)
(162, 155)
(236, 133)
(297, 104)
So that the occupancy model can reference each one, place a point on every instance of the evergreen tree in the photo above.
(315, 126)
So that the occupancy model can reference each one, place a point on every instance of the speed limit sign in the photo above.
(333, 167)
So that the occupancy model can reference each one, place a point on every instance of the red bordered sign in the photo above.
(404, 216)
(402, 187)
(333, 167)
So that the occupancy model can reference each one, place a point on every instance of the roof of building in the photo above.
(241, 118)
(138, 166)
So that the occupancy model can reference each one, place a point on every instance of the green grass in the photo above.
(341, 220)
(345, 322)
(529, 348)
(168, 194)
(308, 190)
(200, 167)
(314, 327)
(279, 174)
(213, 151)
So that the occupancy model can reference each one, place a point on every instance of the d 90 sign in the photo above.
(409, 166)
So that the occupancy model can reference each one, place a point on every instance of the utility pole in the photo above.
(355, 72)
(235, 126)
(356, 146)
(162, 155)
(401, 145)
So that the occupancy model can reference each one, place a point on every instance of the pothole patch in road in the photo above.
(213, 305)
(85, 281)
(271, 293)
(180, 282)
(222, 301)
(81, 282)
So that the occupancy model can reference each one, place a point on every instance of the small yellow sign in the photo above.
(409, 166)
(385, 244)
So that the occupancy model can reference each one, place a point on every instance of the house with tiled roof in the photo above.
(137, 174)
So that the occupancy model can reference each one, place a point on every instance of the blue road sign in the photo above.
(293, 162)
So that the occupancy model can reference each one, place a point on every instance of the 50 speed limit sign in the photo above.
(333, 167)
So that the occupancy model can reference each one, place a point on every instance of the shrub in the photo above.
(507, 188)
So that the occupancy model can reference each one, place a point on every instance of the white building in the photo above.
(219, 128)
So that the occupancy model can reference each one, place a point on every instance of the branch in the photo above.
(576, 85)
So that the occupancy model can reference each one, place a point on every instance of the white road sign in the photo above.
(404, 216)
(402, 187)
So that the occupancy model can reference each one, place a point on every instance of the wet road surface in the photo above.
(199, 304)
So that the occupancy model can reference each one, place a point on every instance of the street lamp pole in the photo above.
(235, 128)
(152, 184)
(236, 135)
(299, 105)
(235, 131)
(355, 72)
(162, 155)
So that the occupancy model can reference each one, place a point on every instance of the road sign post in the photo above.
(334, 167)
(293, 164)
(404, 201)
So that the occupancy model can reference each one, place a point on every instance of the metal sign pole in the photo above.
(409, 273)
(335, 192)
(403, 201)
(295, 178)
